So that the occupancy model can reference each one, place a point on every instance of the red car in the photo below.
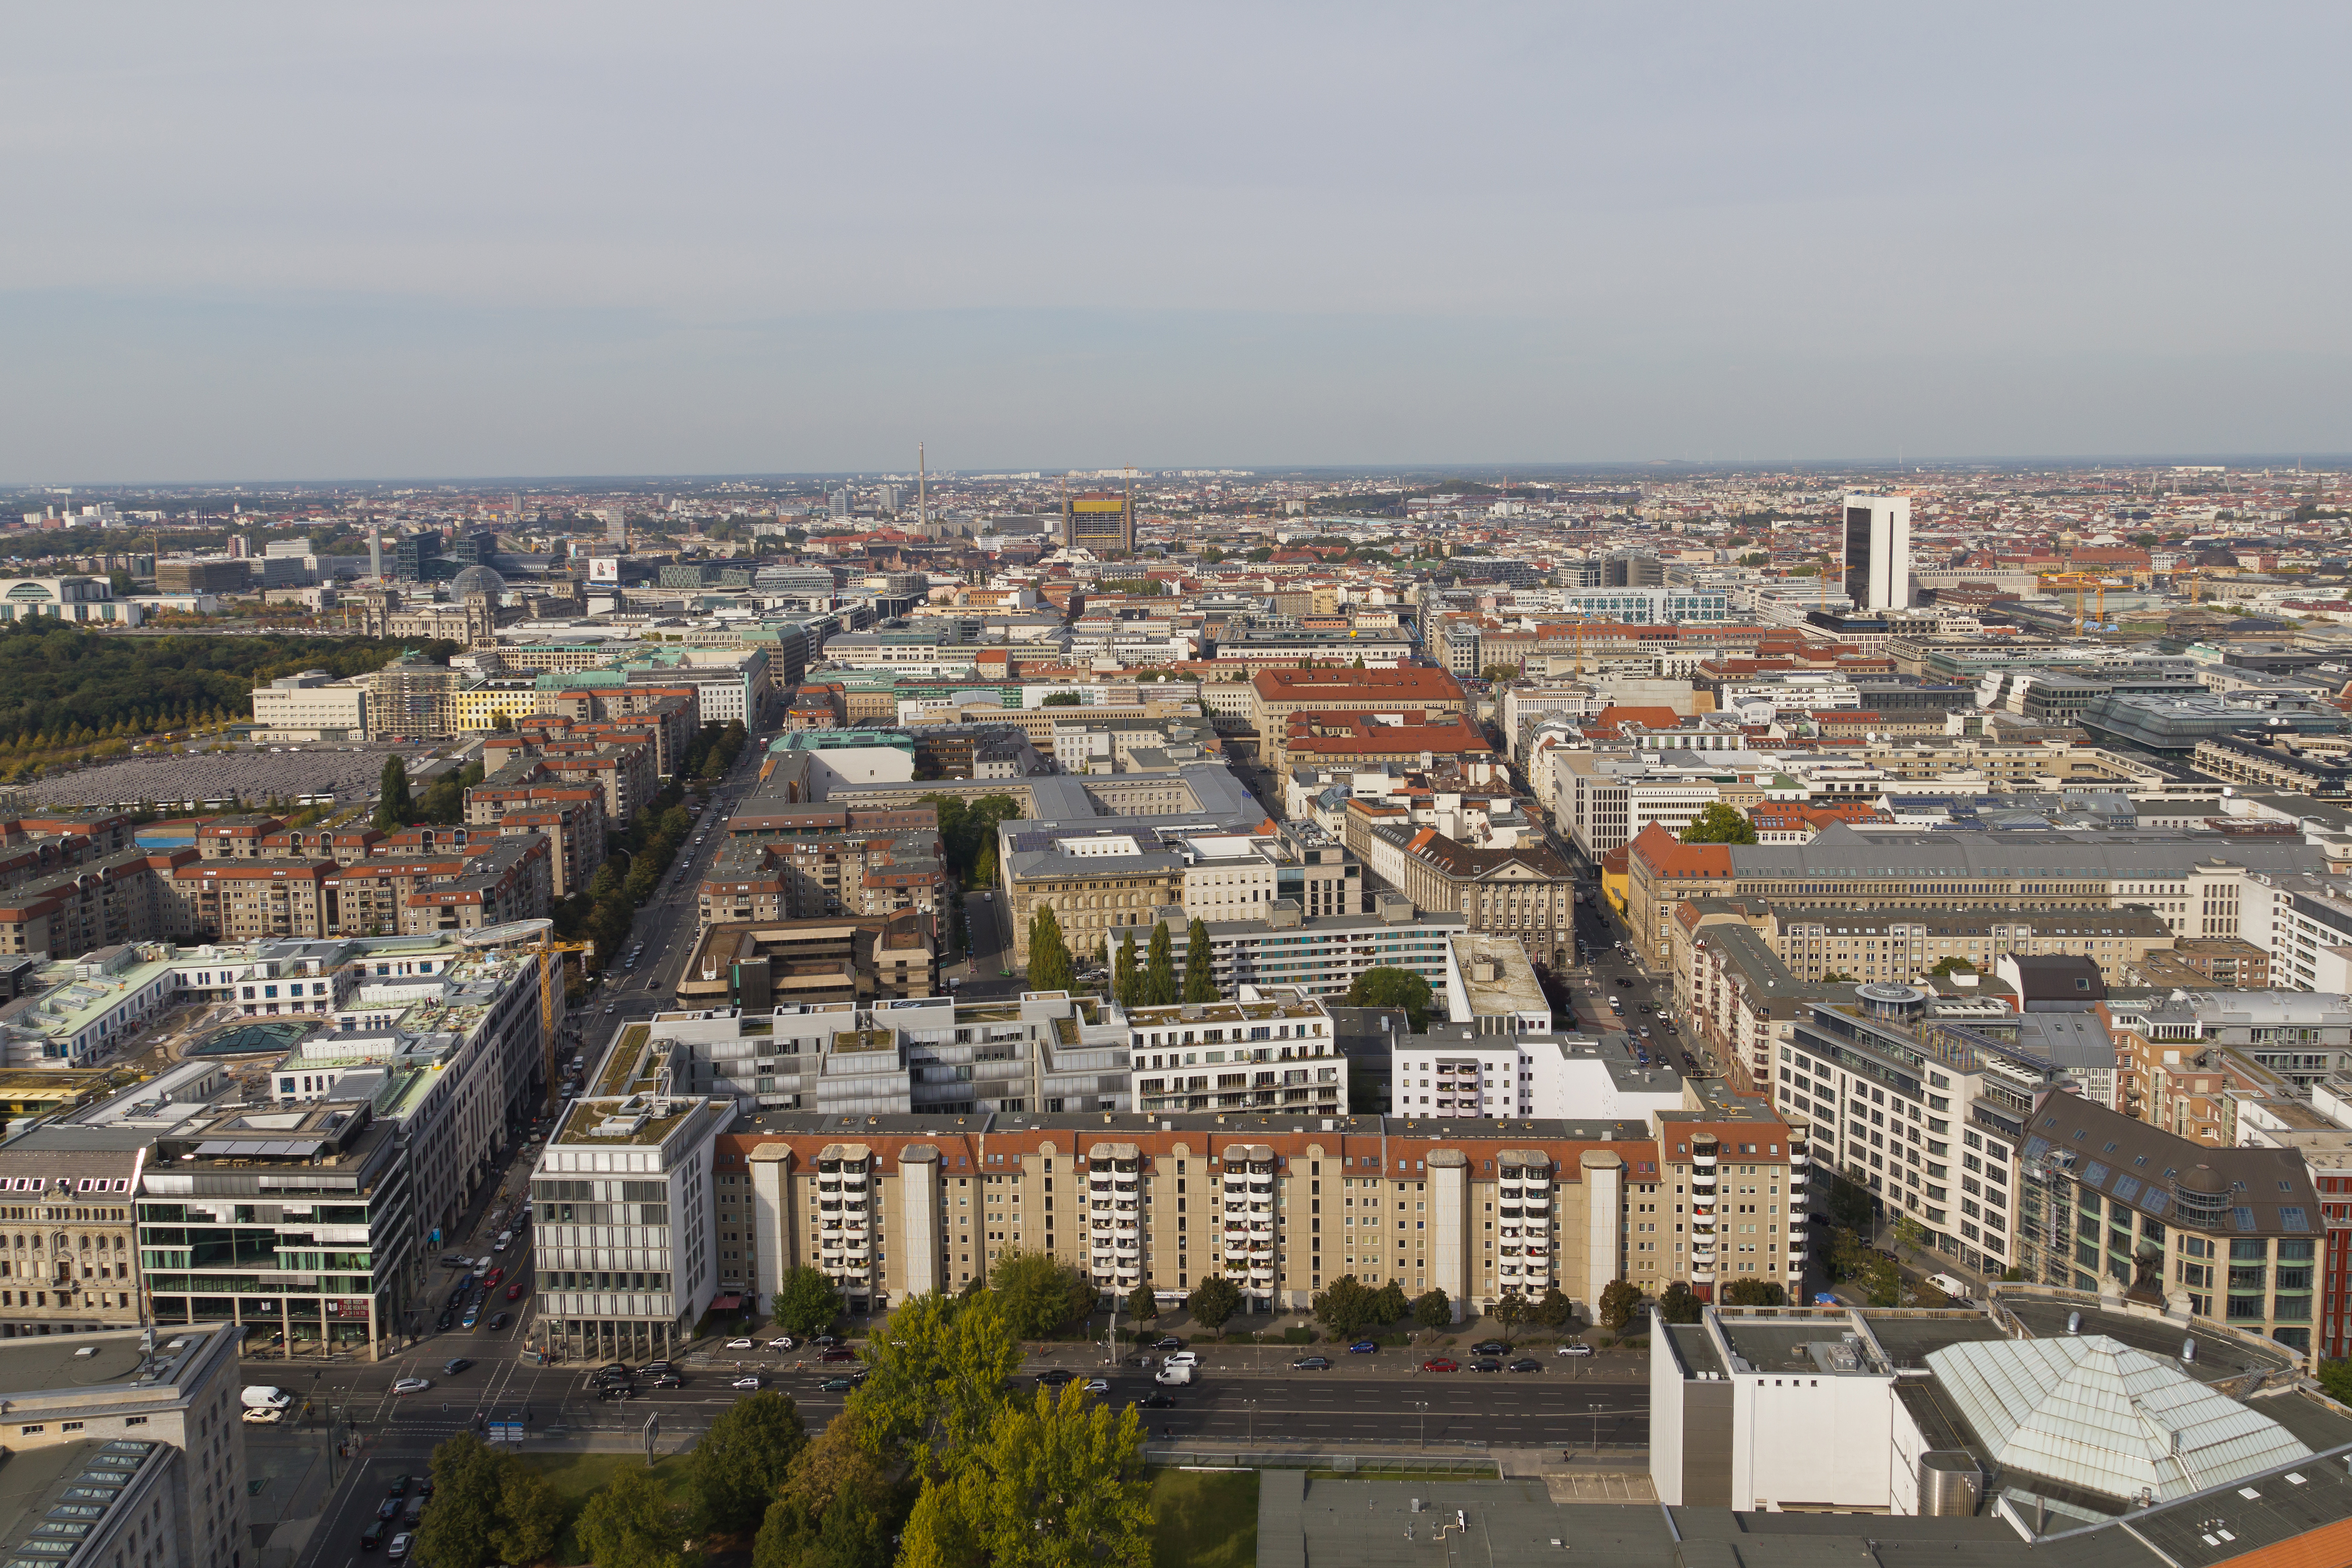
(491, 1283)
(514, 1292)
(838, 1355)
(1440, 1364)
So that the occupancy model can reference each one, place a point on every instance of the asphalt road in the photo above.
(397, 1433)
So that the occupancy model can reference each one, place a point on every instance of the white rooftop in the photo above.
(2093, 1412)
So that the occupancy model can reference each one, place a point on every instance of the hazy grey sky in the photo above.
(323, 241)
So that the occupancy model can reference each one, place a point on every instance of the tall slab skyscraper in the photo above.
(1878, 552)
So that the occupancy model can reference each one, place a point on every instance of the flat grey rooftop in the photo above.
(2218, 1357)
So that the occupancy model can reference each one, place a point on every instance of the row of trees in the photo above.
(1152, 983)
(967, 833)
(444, 800)
(605, 910)
(56, 678)
(1620, 1300)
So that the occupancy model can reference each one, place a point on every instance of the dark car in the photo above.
(1168, 1342)
(499, 1321)
(836, 1385)
(441, 1324)
(425, 1485)
(668, 1379)
(657, 1367)
(616, 1391)
(454, 1365)
(1440, 1364)
(1311, 1364)
(1054, 1377)
(1363, 1347)
(614, 1369)
(1156, 1401)
(388, 1507)
(1490, 1347)
(1486, 1363)
(456, 1300)
(397, 1488)
(373, 1536)
(838, 1355)
(1526, 1363)
(825, 1341)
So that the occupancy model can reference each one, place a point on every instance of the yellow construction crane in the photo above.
(2081, 579)
(537, 937)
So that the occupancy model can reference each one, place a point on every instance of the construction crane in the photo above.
(537, 937)
(2081, 579)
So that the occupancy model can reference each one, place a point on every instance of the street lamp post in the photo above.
(1250, 1408)
(1422, 1406)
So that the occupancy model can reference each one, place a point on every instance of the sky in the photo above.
(298, 242)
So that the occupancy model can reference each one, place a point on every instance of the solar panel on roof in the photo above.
(2126, 1188)
(2244, 1218)
(2154, 1200)
(2095, 1174)
(2291, 1217)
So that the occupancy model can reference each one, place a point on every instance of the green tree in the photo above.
(1383, 987)
(1952, 967)
(1389, 1305)
(391, 804)
(2336, 1380)
(1555, 1312)
(1126, 980)
(1619, 1302)
(1064, 699)
(1837, 977)
(734, 1470)
(935, 1377)
(1678, 1303)
(629, 1522)
(1050, 969)
(1910, 1232)
(1143, 1305)
(1159, 968)
(1347, 1308)
(1039, 1292)
(1719, 824)
(469, 1490)
(531, 1516)
(854, 1535)
(1059, 1482)
(1510, 1310)
(1199, 968)
(1214, 1302)
(1433, 1309)
(1753, 1294)
(805, 1302)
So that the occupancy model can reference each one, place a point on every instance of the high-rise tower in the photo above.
(1878, 552)
(1099, 520)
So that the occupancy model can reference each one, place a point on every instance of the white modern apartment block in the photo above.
(928, 1055)
(1261, 1051)
(1454, 1071)
(621, 1200)
(1319, 956)
(1602, 800)
(1227, 877)
(1878, 552)
(310, 706)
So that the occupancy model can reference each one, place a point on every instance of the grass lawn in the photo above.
(1204, 1518)
(574, 1476)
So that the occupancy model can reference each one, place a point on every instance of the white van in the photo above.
(263, 1397)
(500, 1244)
(1949, 1286)
(1173, 1376)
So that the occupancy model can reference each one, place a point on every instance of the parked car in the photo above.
(412, 1385)
(839, 1354)
(1363, 1347)
(825, 1341)
(1311, 1364)
(1489, 1347)
(742, 1344)
(1183, 1358)
(1526, 1363)
(1440, 1364)
(782, 1342)
(1168, 1342)
(1486, 1363)
(1576, 1347)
